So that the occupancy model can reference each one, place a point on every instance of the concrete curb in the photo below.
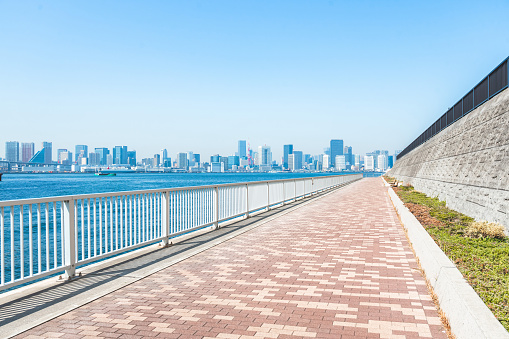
(468, 316)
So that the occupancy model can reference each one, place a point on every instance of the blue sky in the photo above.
(200, 75)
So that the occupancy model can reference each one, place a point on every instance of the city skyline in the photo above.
(123, 151)
(271, 73)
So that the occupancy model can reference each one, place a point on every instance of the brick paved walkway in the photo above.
(339, 267)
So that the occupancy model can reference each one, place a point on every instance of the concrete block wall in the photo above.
(466, 164)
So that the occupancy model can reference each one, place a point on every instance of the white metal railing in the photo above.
(45, 236)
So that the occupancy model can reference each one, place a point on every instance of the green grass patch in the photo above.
(484, 262)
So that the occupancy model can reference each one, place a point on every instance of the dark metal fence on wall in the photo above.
(490, 86)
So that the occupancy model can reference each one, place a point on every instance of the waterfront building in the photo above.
(103, 153)
(233, 160)
(224, 161)
(382, 162)
(390, 161)
(59, 154)
(190, 159)
(242, 149)
(12, 151)
(369, 163)
(265, 155)
(217, 167)
(131, 158)
(80, 150)
(120, 155)
(109, 160)
(94, 159)
(357, 160)
(326, 162)
(47, 147)
(157, 160)
(27, 151)
(340, 162)
(347, 152)
(214, 158)
(65, 158)
(197, 160)
(182, 160)
(287, 150)
(295, 161)
(163, 155)
(336, 148)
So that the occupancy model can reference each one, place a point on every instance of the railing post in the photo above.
(284, 193)
(216, 207)
(165, 201)
(247, 201)
(294, 190)
(268, 196)
(69, 239)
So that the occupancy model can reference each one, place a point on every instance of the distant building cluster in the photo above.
(336, 157)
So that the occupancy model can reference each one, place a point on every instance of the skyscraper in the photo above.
(27, 151)
(131, 158)
(336, 148)
(296, 160)
(287, 150)
(120, 155)
(12, 151)
(163, 156)
(242, 149)
(182, 160)
(265, 155)
(347, 152)
(48, 152)
(59, 154)
(78, 152)
(103, 152)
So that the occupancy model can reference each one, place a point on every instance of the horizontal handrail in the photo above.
(44, 236)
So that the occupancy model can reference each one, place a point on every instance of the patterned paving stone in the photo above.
(339, 267)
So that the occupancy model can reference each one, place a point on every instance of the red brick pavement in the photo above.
(339, 267)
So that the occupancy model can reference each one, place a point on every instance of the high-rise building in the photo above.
(340, 162)
(326, 162)
(80, 150)
(163, 156)
(224, 161)
(59, 154)
(287, 150)
(336, 148)
(190, 159)
(157, 160)
(265, 155)
(65, 158)
(357, 161)
(242, 149)
(233, 160)
(197, 159)
(295, 161)
(182, 160)
(94, 159)
(27, 151)
(382, 162)
(120, 155)
(12, 151)
(349, 160)
(103, 153)
(131, 158)
(369, 163)
(48, 152)
(214, 158)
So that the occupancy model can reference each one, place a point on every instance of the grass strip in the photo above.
(484, 262)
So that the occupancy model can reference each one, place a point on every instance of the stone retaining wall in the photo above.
(466, 164)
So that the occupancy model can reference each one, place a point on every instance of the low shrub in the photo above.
(484, 229)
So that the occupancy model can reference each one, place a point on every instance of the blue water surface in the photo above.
(27, 186)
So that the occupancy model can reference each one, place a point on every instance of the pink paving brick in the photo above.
(338, 267)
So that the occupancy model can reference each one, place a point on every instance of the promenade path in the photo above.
(338, 267)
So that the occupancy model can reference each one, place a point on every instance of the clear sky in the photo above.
(200, 75)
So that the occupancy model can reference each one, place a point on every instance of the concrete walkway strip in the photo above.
(25, 308)
(468, 316)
